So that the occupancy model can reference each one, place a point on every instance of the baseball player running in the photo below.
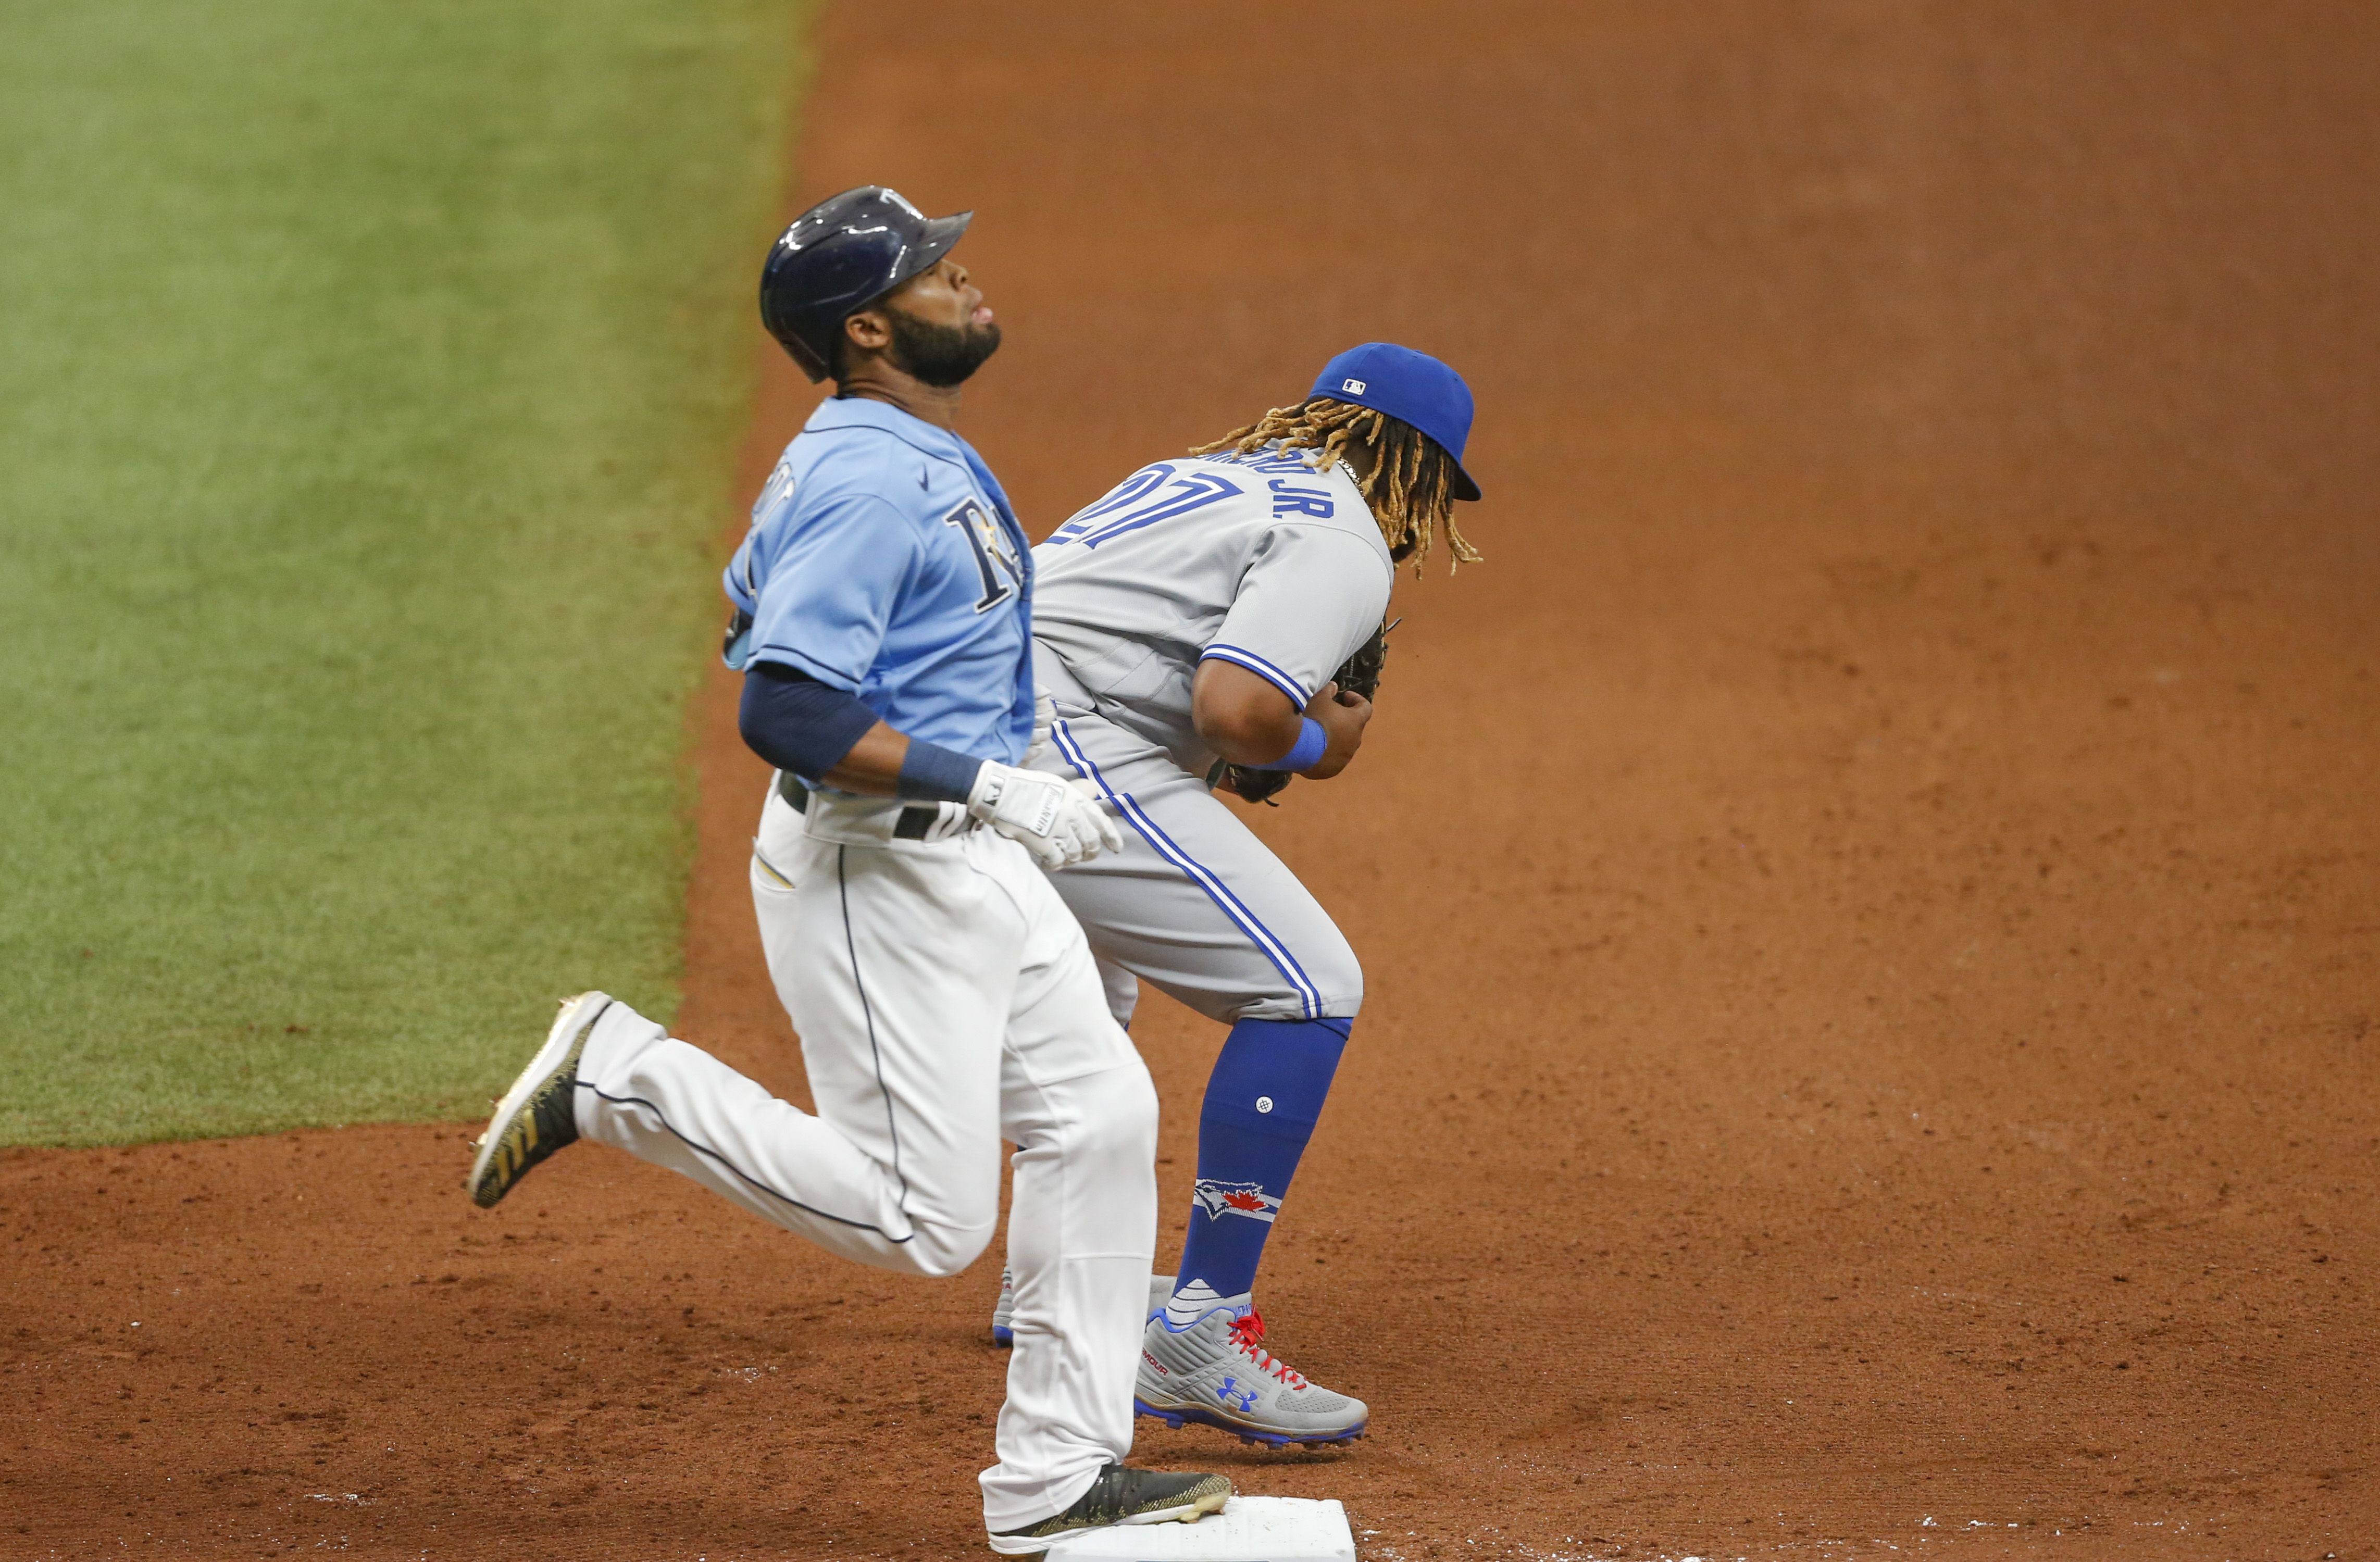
(1187, 626)
(944, 995)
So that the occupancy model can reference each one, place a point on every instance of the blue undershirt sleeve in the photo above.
(797, 723)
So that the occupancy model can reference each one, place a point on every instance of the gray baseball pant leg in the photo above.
(1195, 905)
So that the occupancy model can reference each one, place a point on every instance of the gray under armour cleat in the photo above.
(1217, 1373)
(1160, 1287)
(539, 1114)
(1121, 1497)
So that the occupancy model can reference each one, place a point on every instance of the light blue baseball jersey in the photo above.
(884, 560)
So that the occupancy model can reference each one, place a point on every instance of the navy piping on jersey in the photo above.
(1262, 668)
(1217, 891)
(735, 1170)
(876, 1056)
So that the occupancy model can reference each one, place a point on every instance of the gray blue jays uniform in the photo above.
(1258, 561)
(945, 996)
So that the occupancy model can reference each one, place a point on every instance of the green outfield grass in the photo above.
(369, 378)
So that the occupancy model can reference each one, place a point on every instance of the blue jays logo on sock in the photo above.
(1234, 1396)
(1219, 1199)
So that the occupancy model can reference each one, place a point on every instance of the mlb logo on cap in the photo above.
(1410, 387)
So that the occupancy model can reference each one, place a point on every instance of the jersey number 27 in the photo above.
(1150, 495)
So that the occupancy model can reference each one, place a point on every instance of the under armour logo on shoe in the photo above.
(1234, 1396)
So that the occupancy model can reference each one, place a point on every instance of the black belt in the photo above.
(911, 825)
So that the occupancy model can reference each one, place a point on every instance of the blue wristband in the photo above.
(930, 774)
(1311, 742)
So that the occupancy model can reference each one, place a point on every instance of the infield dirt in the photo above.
(1869, 892)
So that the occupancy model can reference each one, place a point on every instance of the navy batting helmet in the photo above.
(841, 256)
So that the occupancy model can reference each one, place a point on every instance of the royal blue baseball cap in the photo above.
(1410, 387)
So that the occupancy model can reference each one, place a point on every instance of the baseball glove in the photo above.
(1360, 673)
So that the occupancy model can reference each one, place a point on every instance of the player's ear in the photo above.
(869, 330)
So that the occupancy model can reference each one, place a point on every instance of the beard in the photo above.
(940, 355)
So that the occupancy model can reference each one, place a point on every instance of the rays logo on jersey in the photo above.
(995, 558)
(1219, 1199)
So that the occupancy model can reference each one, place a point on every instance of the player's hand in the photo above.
(1060, 821)
(1343, 716)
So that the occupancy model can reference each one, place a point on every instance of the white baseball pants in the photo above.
(945, 1000)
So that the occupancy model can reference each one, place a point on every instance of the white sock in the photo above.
(1194, 1298)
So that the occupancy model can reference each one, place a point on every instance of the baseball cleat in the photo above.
(539, 1115)
(1118, 1497)
(1217, 1373)
(1160, 1287)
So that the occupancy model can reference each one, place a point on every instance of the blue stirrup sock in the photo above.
(1262, 1103)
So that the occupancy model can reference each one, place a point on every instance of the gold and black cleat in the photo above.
(1123, 1496)
(539, 1114)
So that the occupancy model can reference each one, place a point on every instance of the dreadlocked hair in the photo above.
(1410, 489)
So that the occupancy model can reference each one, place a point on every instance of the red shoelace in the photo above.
(1246, 1332)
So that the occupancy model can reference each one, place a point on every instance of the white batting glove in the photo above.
(1060, 821)
(1044, 717)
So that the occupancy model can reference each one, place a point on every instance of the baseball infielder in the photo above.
(1187, 626)
(943, 993)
